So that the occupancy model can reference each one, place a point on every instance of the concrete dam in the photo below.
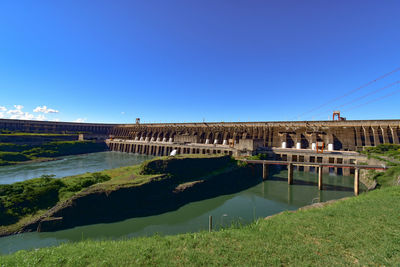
(234, 138)
(247, 138)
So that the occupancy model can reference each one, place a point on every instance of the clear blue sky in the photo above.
(180, 61)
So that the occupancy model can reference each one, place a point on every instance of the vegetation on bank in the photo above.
(15, 153)
(390, 154)
(22, 202)
(25, 198)
(362, 230)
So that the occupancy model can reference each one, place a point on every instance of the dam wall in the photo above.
(351, 135)
(54, 127)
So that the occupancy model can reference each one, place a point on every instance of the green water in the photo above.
(70, 165)
(267, 198)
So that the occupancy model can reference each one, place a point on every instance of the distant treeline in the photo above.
(14, 153)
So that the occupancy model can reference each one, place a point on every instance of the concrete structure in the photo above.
(249, 137)
(56, 127)
(236, 138)
(320, 166)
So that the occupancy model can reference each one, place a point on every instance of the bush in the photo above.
(9, 147)
(22, 198)
(13, 156)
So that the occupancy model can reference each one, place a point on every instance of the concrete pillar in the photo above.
(215, 141)
(356, 181)
(358, 136)
(265, 171)
(290, 173)
(207, 141)
(283, 144)
(367, 137)
(141, 138)
(170, 139)
(376, 136)
(146, 139)
(314, 146)
(298, 145)
(164, 139)
(225, 142)
(346, 171)
(320, 177)
(307, 160)
(158, 139)
(157, 150)
(330, 147)
(394, 135)
(385, 135)
(152, 139)
(136, 138)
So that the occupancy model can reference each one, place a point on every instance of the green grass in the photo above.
(390, 154)
(362, 230)
(20, 199)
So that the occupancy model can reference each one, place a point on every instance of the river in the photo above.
(267, 198)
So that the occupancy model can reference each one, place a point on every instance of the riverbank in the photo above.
(155, 187)
(11, 154)
(359, 230)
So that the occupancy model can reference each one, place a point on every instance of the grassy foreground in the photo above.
(362, 230)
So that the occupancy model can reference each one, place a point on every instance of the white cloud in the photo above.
(123, 112)
(44, 109)
(17, 111)
(18, 114)
(80, 120)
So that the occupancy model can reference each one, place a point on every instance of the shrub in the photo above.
(13, 156)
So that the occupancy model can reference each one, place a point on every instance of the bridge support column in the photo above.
(356, 181)
(346, 171)
(320, 177)
(290, 173)
(265, 171)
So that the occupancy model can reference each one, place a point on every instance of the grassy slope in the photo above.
(389, 153)
(362, 230)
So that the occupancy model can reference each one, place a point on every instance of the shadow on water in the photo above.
(261, 199)
(311, 183)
